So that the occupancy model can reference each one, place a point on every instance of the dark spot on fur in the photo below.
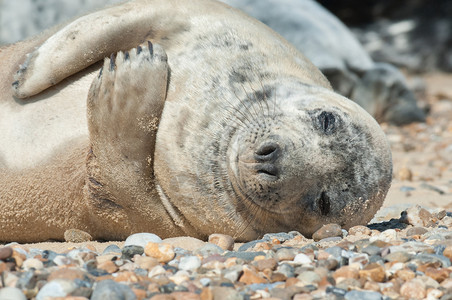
(95, 182)
(263, 95)
(151, 48)
(109, 204)
(112, 61)
(246, 46)
(100, 73)
(237, 77)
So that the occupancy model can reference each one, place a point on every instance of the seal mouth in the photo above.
(268, 170)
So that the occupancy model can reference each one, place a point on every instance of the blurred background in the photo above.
(23, 18)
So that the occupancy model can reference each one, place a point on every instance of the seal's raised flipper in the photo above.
(92, 38)
(125, 103)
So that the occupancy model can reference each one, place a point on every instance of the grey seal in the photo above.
(178, 118)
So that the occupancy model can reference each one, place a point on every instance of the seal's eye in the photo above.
(327, 122)
(324, 204)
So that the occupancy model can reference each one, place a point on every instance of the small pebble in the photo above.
(346, 272)
(141, 239)
(185, 242)
(363, 295)
(416, 231)
(162, 252)
(281, 236)
(359, 230)
(223, 293)
(11, 293)
(286, 269)
(413, 289)
(309, 277)
(250, 245)
(250, 277)
(208, 250)
(417, 216)
(327, 231)
(108, 289)
(373, 271)
(301, 258)
(32, 263)
(5, 252)
(399, 256)
(247, 256)
(405, 174)
(112, 249)
(285, 254)
(264, 264)
(77, 236)
(223, 241)
(448, 252)
(128, 252)
(56, 288)
(145, 262)
(189, 263)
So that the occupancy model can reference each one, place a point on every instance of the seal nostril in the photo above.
(327, 122)
(324, 204)
(266, 151)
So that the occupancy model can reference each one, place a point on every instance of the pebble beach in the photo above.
(405, 252)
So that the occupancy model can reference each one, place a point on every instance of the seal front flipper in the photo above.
(90, 38)
(125, 103)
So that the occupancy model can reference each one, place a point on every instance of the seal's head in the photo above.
(307, 158)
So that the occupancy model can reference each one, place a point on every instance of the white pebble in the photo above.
(189, 263)
(141, 239)
(205, 281)
(386, 236)
(157, 270)
(32, 263)
(179, 277)
(301, 258)
(56, 288)
(61, 260)
(11, 293)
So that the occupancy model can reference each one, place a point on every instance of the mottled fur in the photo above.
(228, 86)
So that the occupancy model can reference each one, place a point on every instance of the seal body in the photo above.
(203, 120)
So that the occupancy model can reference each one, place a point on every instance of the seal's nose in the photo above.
(267, 152)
